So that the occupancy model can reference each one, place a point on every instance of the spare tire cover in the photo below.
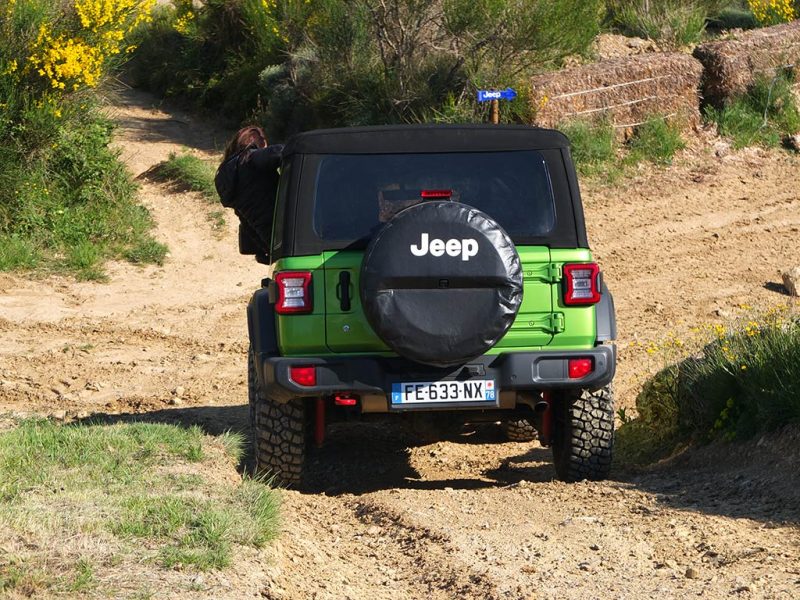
(441, 283)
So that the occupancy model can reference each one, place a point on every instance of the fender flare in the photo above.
(606, 317)
(261, 329)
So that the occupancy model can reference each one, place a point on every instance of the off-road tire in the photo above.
(583, 434)
(520, 430)
(279, 433)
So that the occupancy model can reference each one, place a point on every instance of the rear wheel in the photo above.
(583, 434)
(520, 430)
(279, 433)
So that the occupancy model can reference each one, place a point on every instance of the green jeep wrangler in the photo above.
(432, 271)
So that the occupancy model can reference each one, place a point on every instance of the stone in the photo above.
(722, 149)
(179, 391)
(691, 573)
(792, 142)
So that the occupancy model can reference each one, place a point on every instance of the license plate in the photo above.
(474, 390)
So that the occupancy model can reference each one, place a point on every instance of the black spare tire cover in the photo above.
(441, 283)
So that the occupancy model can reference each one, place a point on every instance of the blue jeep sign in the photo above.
(488, 95)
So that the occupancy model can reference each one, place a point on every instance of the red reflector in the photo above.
(580, 367)
(436, 194)
(306, 376)
(344, 401)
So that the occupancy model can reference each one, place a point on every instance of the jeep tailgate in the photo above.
(535, 323)
(346, 326)
(347, 329)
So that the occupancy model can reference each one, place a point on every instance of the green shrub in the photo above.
(734, 17)
(763, 116)
(673, 23)
(656, 141)
(744, 382)
(66, 200)
(297, 65)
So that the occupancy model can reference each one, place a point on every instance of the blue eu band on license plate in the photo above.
(475, 390)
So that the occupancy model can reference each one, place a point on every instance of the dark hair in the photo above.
(245, 138)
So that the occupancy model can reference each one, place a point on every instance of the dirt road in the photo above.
(392, 517)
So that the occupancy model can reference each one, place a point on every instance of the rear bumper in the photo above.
(513, 371)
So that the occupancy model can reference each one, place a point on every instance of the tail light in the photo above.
(305, 376)
(582, 282)
(294, 293)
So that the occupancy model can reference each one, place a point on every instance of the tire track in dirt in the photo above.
(379, 554)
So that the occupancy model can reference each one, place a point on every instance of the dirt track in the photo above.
(391, 517)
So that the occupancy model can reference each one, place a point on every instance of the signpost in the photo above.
(494, 96)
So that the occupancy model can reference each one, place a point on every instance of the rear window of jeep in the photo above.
(356, 193)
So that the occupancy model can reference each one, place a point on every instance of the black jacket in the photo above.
(248, 182)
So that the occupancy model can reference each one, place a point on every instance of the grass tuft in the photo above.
(17, 253)
(593, 146)
(187, 172)
(197, 532)
(147, 251)
(655, 141)
(234, 444)
(762, 116)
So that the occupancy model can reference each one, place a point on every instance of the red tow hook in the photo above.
(319, 422)
(546, 431)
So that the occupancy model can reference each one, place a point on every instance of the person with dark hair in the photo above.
(247, 181)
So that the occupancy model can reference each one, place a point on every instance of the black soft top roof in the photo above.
(402, 139)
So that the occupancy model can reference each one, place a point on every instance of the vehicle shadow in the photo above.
(371, 457)
(759, 481)
(359, 458)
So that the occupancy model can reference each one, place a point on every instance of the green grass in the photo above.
(655, 141)
(593, 146)
(73, 492)
(17, 253)
(187, 172)
(743, 382)
(762, 117)
(146, 251)
(197, 532)
(599, 153)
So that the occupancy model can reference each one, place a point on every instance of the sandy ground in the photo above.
(393, 517)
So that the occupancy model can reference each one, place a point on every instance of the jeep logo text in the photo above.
(466, 248)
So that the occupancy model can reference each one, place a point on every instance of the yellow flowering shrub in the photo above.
(772, 12)
(67, 61)
(117, 15)
(182, 23)
(78, 57)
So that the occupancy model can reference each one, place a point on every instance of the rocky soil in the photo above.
(390, 516)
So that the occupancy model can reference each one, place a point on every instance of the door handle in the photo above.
(343, 290)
